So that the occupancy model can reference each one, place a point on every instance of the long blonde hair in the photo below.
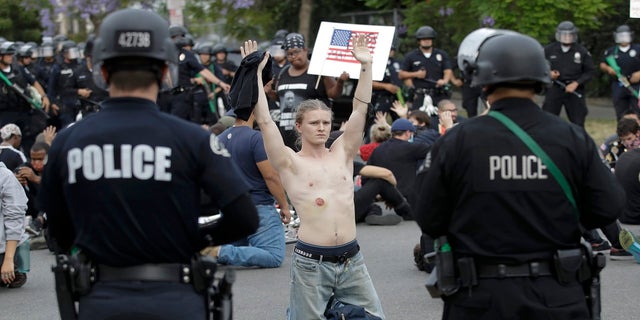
(304, 107)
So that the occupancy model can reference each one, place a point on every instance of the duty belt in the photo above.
(167, 272)
(333, 259)
(500, 271)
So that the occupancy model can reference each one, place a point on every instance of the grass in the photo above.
(600, 129)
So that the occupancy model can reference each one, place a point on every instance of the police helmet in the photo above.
(623, 34)
(47, 50)
(280, 35)
(425, 32)
(490, 56)
(566, 32)
(177, 31)
(7, 48)
(70, 50)
(25, 51)
(203, 48)
(136, 33)
(218, 48)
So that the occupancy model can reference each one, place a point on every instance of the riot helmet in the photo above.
(490, 56)
(25, 51)
(623, 34)
(177, 31)
(47, 50)
(135, 33)
(8, 48)
(218, 48)
(69, 50)
(425, 32)
(203, 48)
(280, 35)
(566, 33)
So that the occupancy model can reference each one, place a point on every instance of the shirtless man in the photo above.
(327, 260)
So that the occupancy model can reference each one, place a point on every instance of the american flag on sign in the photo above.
(341, 45)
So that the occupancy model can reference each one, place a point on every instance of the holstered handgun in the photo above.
(591, 284)
(443, 280)
(66, 299)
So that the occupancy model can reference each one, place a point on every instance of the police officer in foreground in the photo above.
(122, 186)
(571, 67)
(513, 236)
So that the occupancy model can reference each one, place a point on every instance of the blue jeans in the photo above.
(313, 283)
(265, 248)
(23, 255)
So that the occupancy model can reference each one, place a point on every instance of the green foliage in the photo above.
(18, 23)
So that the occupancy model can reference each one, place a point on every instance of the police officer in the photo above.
(426, 69)
(181, 104)
(624, 56)
(384, 92)
(571, 67)
(60, 89)
(499, 204)
(123, 185)
(205, 106)
(44, 64)
(14, 108)
(89, 94)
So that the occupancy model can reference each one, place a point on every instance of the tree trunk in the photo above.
(304, 16)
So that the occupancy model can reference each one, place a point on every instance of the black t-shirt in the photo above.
(124, 184)
(628, 173)
(497, 201)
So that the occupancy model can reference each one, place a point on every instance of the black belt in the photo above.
(333, 259)
(166, 272)
(499, 271)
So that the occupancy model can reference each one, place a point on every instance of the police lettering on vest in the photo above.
(521, 167)
(141, 162)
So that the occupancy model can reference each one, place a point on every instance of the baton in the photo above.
(564, 86)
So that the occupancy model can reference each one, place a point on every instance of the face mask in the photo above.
(410, 139)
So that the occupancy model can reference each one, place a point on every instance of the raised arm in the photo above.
(279, 155)
(354, 128)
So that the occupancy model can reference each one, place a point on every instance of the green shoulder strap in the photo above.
(537, 150)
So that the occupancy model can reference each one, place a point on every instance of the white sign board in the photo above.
(634, 9)
(332, 50)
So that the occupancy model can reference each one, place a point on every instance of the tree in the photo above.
(18, 22)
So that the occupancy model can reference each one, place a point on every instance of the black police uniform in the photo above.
(83, 79)
(123, 185)
(573, 65)
(15, 109)
(62, 92)
(381, 99)
(498, 204)
(42, 72)
(435, 65)
(629, 62)
(188, 67)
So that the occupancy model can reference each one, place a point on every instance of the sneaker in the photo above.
(620, 254)
(600, 246)
(18, 281)
(383, 220)
(630, 243)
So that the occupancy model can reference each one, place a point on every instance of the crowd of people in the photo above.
(96, 135)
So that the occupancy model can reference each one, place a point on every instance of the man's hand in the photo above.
(361, 49)
(392, 88)
(28, 174)
(635, 77)
(85, 93)
(225, 87)
(55, 109)
(420, 74)
(250, 46)
(45, 103)
(446, 120)
(571, 87)
(381, 118)
(7, 271)
(264, 61)
(49, 133)
(555, 74)
(400, 109)
(285, 215)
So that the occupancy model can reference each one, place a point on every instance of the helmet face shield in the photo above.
(46, 51)
(623, 37)
(566, 36)
(72, 53)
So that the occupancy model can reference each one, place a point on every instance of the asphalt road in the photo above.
(264, 294)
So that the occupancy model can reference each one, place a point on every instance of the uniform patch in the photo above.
(577, 58)
(217, 147)
(439, 57)
(632, 53)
